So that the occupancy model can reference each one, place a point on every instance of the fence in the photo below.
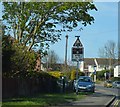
(16, 87)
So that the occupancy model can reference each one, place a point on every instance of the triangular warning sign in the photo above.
(78, 43)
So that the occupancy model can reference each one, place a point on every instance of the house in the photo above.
(89, 65)
(40, 66)
(117, 71)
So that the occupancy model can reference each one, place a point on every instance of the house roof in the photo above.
(100, 61)
(106, 61)
(89, 61)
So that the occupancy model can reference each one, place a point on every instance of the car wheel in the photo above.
(93, 91)
(76, 93)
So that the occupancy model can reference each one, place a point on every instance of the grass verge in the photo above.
(44, 100)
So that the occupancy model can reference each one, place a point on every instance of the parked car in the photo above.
(116, 84)
(108, 84)
(84, 83)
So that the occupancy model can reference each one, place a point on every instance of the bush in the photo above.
(101, 74)
(70, 75)
(115, 79)
(73, 74)
(67, 74)
(56, 74)
(16, 59)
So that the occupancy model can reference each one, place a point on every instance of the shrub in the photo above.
(16, 59)
(73, 74)
(101, 74)
(67, 74)
(115, 79)
(56, 74)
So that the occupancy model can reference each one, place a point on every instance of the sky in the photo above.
(93, 37)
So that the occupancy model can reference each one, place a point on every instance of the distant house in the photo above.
(117, 71)
(39, 64)
(88, 65)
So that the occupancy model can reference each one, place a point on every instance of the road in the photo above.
(116, 102)
(101, 98)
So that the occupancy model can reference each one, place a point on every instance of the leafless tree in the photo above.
(51, 59)
(109, 50)
(110, 53)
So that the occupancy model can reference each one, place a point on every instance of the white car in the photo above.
(116, 84)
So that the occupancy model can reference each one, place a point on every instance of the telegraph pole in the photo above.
(66, 52)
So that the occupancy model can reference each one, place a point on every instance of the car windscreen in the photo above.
(118, 82)
(85, 80)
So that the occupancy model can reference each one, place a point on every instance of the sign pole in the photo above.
(94, 73)
(77, 55)
(77, 75)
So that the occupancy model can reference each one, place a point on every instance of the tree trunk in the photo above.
(30, 47)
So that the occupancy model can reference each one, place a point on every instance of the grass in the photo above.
(98, 81)
(43, 100)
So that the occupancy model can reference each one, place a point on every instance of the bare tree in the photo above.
(51, 59)
(109, 50)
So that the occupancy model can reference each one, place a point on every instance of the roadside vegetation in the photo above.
(101, 74)
(44, 99)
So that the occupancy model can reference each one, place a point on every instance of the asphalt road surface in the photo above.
(101, 98)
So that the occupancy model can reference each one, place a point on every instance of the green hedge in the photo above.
(115, 79)
(101, 76)
(71, 75)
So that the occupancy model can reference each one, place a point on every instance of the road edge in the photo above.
(110, 102)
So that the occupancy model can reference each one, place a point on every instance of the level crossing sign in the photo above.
(77, 51)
